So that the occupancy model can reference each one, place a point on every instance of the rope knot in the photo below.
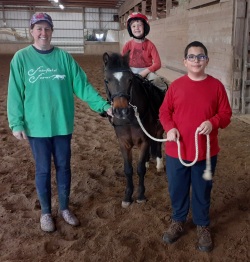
(207, 175)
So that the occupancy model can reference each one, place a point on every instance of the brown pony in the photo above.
(125, 91)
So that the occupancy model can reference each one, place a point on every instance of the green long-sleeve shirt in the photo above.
(41, 92)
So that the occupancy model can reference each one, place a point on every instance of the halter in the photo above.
(118, 94)
(127, 96)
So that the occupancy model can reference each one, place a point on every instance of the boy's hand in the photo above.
(205, 128)
(173, 134)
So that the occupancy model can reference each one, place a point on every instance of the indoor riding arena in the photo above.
(108, 232)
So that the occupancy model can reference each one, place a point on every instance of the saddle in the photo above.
(155, 95)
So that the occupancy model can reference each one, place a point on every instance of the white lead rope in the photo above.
(207, 175)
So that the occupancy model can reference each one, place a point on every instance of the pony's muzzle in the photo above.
(121, 108)
(121, 113)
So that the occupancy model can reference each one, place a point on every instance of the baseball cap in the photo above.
(37, 17)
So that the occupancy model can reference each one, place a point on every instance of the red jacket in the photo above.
(186, 105)
(143, 55)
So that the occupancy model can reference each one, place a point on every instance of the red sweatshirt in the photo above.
(143, 55)
(186, 105)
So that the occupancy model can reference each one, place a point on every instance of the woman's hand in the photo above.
(109, 112)
(20, 135)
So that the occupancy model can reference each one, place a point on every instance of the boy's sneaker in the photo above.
(47, 223)
(69, 217)
(205, 242)
(174, 231)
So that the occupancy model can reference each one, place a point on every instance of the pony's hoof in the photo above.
(141, 201)
(125, 204)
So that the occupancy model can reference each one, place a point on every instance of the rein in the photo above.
(207, 175)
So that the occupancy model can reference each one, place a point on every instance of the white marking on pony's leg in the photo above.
(118, 75)
(147, 164)
(125, 204)
(159, 164)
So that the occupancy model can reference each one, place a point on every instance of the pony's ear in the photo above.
(126, 55)
(105, 58)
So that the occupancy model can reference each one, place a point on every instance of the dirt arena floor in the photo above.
(109, 233)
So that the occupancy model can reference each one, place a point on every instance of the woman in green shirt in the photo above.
(42, 84)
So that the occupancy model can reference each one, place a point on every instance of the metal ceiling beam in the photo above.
(66, 3)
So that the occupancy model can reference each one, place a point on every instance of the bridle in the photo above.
(127, 95)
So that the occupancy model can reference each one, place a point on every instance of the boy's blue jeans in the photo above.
(60, 148)
(182, 180)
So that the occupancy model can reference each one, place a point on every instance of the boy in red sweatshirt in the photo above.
(195, 100)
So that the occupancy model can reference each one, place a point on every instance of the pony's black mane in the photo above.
(117, 61)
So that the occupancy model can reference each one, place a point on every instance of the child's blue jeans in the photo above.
(60, 148)
(185, 181)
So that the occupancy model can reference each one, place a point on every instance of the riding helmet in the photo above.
(138, 16)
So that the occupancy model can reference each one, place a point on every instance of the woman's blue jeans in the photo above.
(185, 181)
(60, 148)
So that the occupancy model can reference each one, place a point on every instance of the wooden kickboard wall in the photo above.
(212, 25)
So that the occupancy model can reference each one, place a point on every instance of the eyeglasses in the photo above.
(192, 57)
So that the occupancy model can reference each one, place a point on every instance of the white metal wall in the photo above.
(72, 27)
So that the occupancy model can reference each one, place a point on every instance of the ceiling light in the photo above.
(61, 6)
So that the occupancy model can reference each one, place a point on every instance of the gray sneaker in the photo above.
(69, 217)
(174, 231)
(47, 223)
(205, 242)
